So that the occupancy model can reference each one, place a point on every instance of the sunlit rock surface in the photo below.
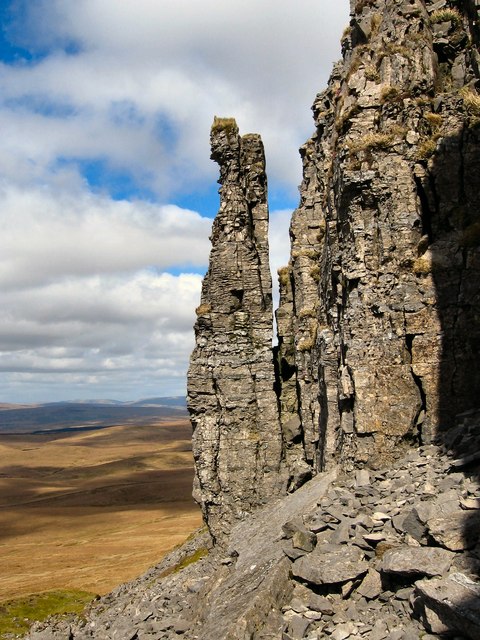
(237, 441)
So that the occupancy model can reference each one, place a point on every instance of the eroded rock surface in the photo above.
(237, 440)
(384, 267)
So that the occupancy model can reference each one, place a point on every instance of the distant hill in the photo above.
(87, 414)
(162, 401)
(172, 401)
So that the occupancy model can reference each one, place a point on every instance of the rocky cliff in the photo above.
(378, 324)
(385, 245)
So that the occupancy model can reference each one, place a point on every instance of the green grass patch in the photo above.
(446, 15)
(228, 125)
(434, 120)
(191, 559)
(372, 141)
(185, 562)
(284, 275)
(315, 273)
(471, 100)
(203, 309)
(307, 313)
(422, 266)
(17, 616)
(388, 93)
(427, 147)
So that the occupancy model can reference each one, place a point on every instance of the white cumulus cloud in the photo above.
(105, 112)
(46, 236)
(171, 66)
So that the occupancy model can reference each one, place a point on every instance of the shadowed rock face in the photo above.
(237, 441)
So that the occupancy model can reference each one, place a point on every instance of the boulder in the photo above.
(457, 531)
(330, 564)
(416, 561)
(453, 603)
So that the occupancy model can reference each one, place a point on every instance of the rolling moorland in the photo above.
(91, 494)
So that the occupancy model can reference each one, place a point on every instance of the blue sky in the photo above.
(106, 187)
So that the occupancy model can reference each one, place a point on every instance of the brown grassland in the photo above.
(92, 509)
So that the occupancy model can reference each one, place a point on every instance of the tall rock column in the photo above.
(237, 440)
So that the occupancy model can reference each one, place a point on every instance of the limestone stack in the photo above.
(237, 440)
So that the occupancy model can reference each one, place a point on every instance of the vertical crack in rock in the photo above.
(287, 385)
(426, 197)
(237, 439)
(422, 409)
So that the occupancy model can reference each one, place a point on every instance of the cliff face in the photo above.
(379, 312)
(384, 263)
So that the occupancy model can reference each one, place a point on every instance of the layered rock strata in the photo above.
(378, 324)
(237, 440)
(384, 269)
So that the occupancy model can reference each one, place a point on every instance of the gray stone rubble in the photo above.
(363, 567)
(407, 581)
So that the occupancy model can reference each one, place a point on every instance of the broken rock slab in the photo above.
(454, 602)
(330, 564)
(248, 597)
(371, 586)
(301, 538)
(457, 531)
(415, 561)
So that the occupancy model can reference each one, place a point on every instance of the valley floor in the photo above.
(92, 509)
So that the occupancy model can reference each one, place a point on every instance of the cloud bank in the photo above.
(87, 300)
(106, 187)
